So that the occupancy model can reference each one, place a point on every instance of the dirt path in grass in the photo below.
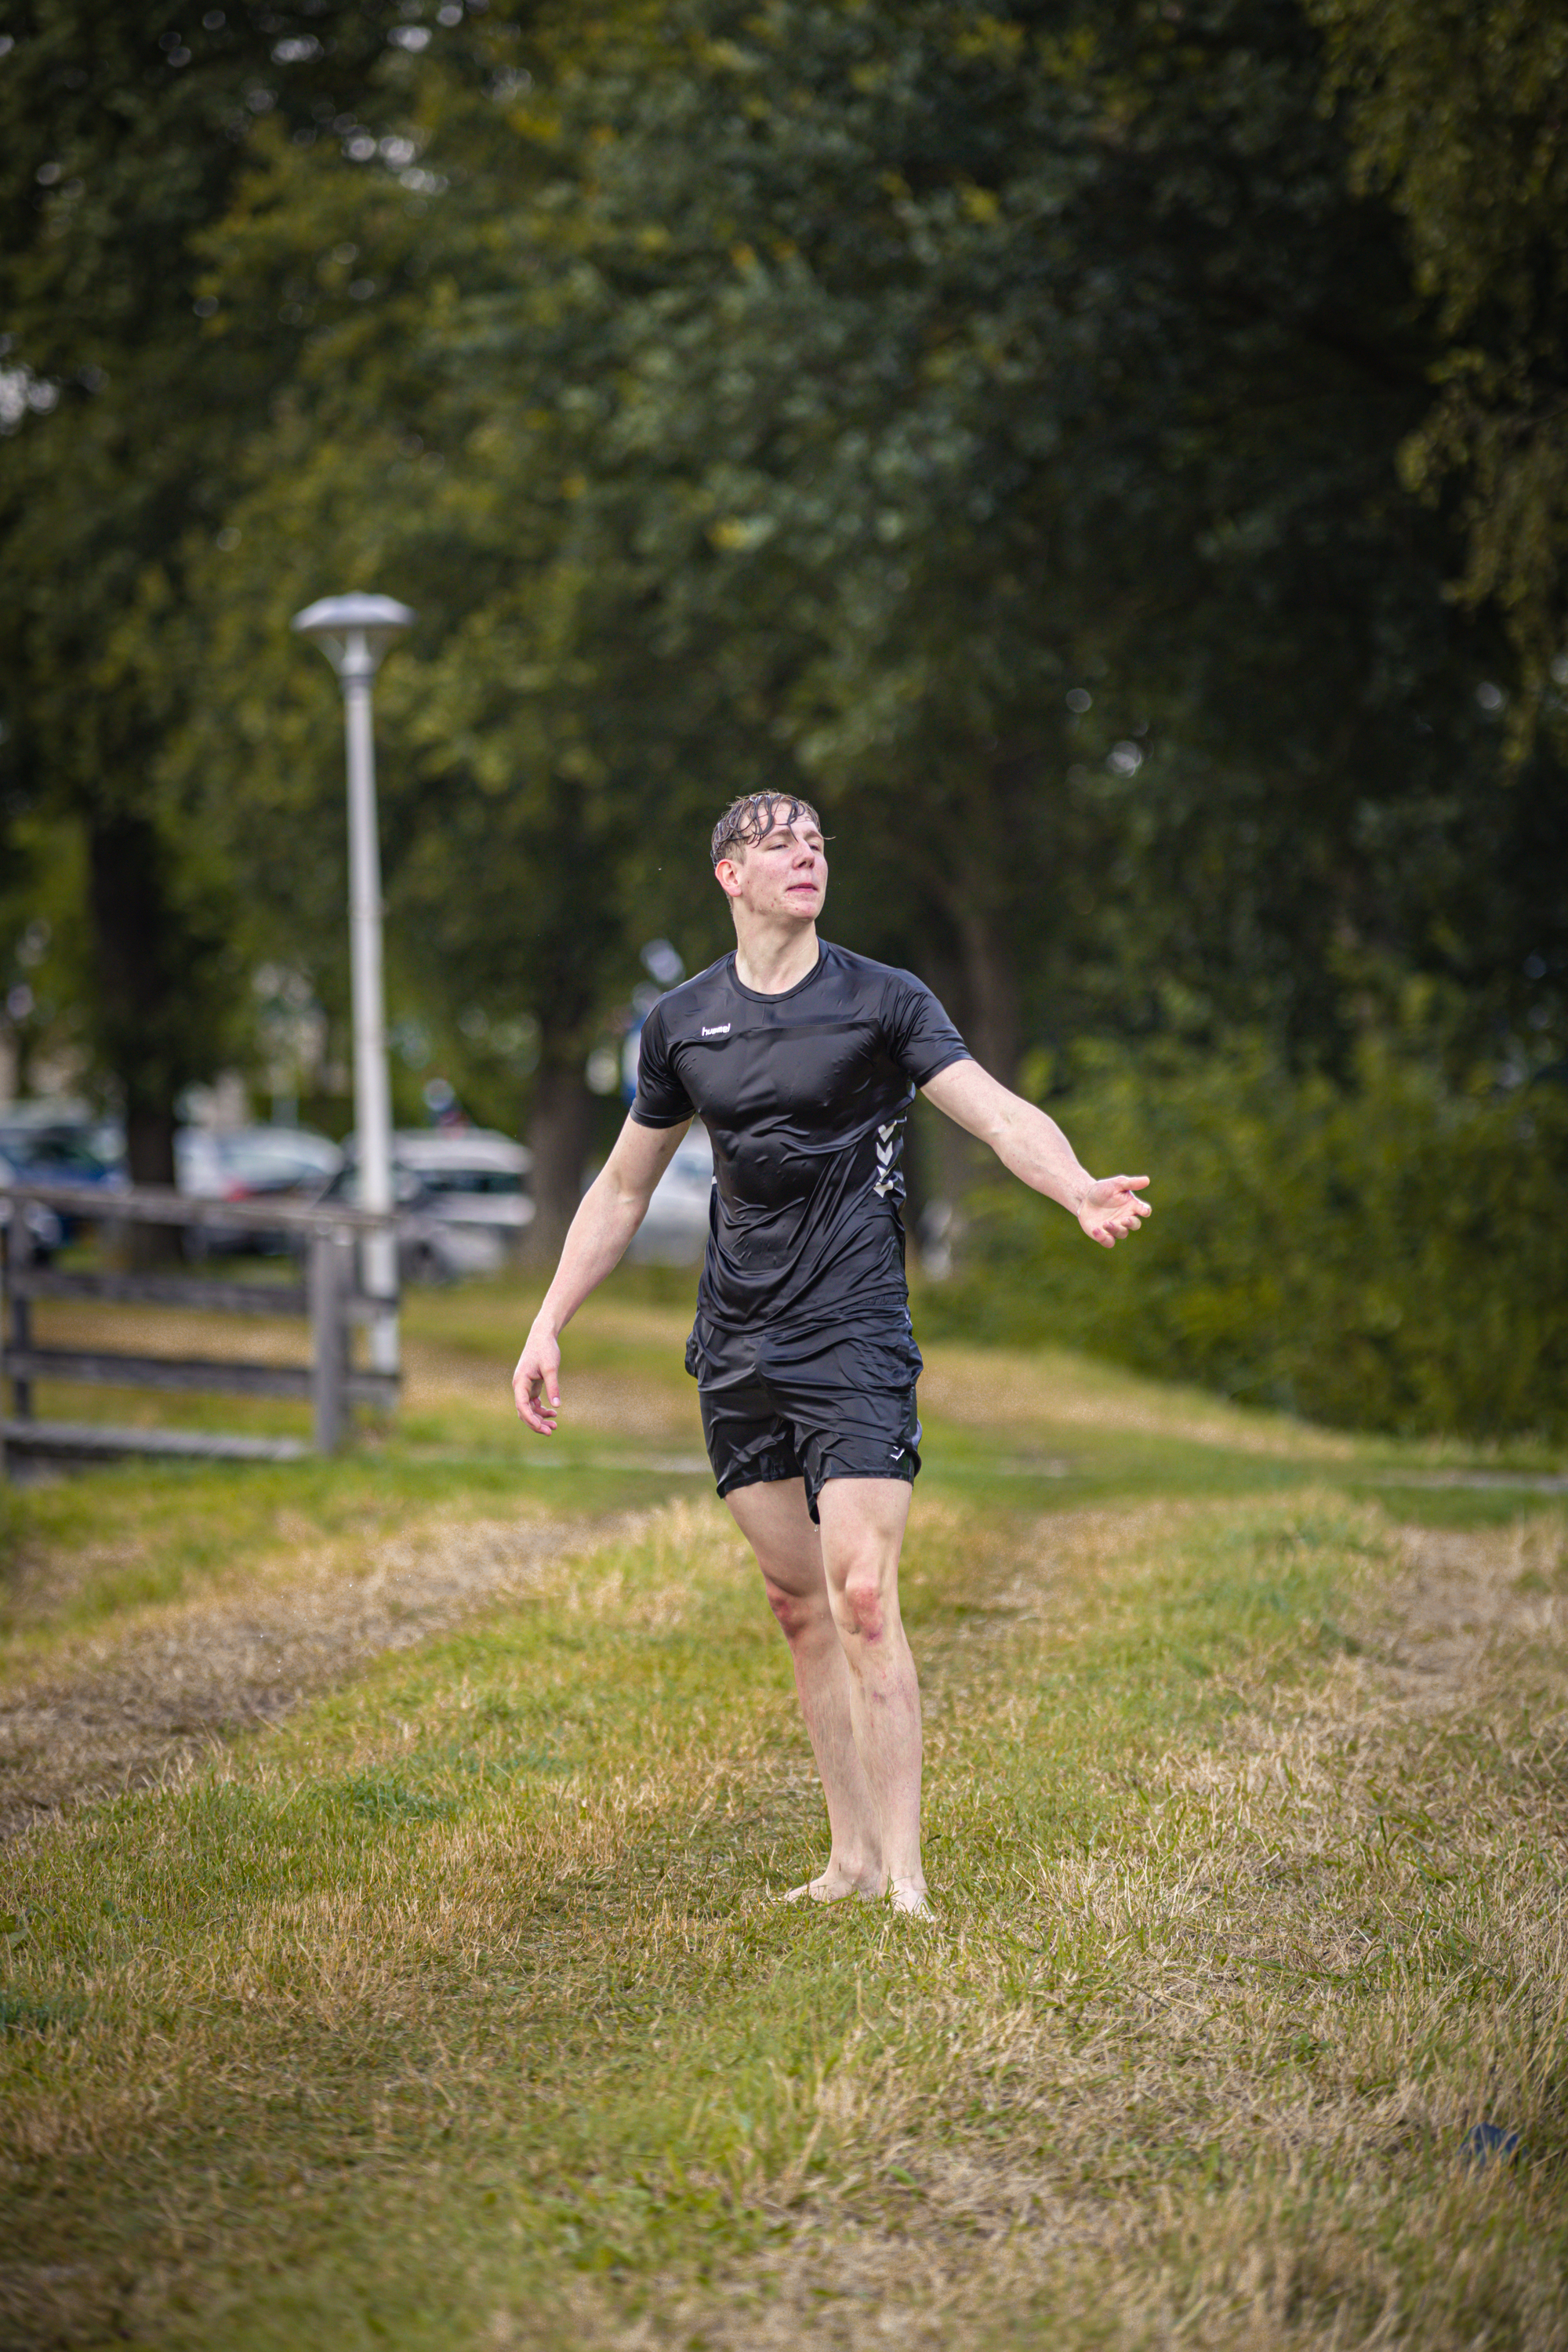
(143, 1702)
(1454, 1621)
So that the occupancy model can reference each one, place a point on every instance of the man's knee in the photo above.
(862, 1593)
(865, 1608)
(797, 1612)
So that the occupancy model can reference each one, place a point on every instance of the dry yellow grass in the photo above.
(143, 1699)
(998, 1387)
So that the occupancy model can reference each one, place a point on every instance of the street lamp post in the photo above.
(355, 632)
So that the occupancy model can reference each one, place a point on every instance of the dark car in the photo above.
(250, 1163)
(58, 1150)
(46, 1227)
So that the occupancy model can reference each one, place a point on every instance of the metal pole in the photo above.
(373, 1100)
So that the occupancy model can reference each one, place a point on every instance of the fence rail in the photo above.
(328, 1298)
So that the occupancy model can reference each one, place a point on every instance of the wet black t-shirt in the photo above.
(804, 1096)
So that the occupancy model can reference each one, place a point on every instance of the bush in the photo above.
(1390, 1256)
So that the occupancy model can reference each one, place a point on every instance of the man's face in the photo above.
(785, 873)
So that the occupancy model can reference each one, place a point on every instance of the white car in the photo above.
(473, 1175)
(675, 1230)
(462, 1193)
(430, 1247)
(232, 1164)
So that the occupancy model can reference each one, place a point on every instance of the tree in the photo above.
(915, 370)
(129, 404)
(986, 422)
(505, 840)
(1455, 108)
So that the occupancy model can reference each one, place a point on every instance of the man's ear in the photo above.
(727, 873)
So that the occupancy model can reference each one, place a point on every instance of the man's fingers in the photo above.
(538, 1411)
(1125, 1210)
(1122, 1213)
(527, 1411)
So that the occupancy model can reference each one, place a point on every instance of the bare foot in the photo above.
(911, 1900)
(833, 1885)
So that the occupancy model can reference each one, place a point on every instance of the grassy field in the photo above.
(456, 2007)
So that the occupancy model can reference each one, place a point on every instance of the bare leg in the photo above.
(774, 1521)
(863, 1522)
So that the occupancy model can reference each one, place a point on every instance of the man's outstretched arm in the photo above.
(613, 1207)
(1033, 1146)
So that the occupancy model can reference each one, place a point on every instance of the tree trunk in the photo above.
(150, 1144)
(559, 1137)
(986, 1007)
(146, 1010)
(991, 993)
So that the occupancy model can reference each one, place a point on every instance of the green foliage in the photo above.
(1455, 108)
(1387, 1254)
(911, 373)
(130, 401)
(992, 419)
(801, 392)
(45, 945)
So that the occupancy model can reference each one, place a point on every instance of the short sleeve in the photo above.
(661, 1100)
(921, 1038)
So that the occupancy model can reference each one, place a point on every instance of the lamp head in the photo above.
(354, 631)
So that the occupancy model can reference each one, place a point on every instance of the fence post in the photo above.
(4, 1272)
(18, 1259)
(329, 1338)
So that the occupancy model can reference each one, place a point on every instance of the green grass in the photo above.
(461, 2011)
(139, 1534)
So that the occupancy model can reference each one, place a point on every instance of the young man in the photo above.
(802, 1061)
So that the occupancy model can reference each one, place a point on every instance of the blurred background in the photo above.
(1113, 458)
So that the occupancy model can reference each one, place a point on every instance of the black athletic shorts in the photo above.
(815, 1405)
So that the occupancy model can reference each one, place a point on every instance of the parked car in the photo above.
(235, 1164)
(54, 1143)
(675, 1230)
(46, 1229)
(432, 1245)
(477, 1176)
(39, 1115)
(462, 1193)
(250, 1164)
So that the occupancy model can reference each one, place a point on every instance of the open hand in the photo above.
(1112, 1209)
(536, 1383)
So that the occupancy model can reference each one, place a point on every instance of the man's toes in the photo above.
(826, 1888)
(913, 1902)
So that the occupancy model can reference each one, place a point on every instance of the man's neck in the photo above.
(773, 958)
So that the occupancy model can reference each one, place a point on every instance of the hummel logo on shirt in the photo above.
(721, 1031)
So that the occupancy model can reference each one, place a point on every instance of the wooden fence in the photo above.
(329, 1295)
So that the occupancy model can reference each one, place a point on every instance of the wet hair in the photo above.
(754, 816)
